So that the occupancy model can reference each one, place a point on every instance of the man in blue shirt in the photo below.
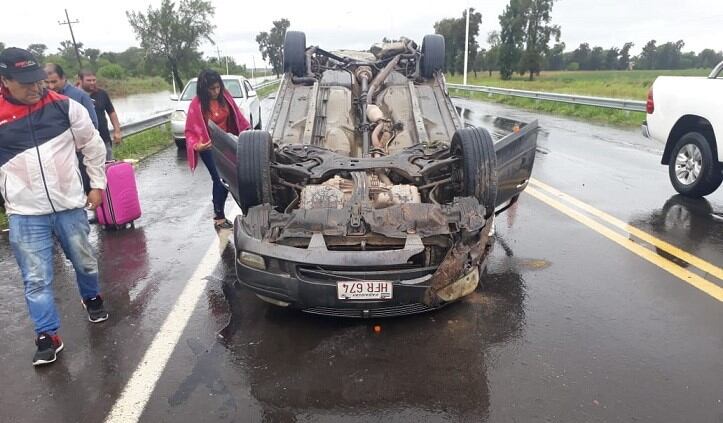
(57, 82)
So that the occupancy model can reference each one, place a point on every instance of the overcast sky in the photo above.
(341, 24)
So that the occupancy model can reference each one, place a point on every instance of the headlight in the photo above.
(178, 115)
(252, 260)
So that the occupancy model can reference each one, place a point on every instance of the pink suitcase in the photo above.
(120, 200)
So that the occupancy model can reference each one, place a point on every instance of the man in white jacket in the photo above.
(40, 131)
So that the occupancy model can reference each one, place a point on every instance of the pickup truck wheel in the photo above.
(433, 52)
(479, 165)
(254, 154)
(693, 170)
(295, 53)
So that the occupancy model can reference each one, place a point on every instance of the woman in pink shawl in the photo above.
(212, 103)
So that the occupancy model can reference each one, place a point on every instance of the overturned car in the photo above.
(367, 197)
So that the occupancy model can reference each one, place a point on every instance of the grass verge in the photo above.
(632, 85)
(129, 86)
(135, 147)
(266, 91)
(589, 113)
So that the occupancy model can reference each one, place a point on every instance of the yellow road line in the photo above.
(685, 275)
(683, 255)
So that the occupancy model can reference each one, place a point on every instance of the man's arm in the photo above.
(117, 138)
(89, 142)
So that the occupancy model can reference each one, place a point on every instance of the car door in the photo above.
(238, 92)
(253, 103)
(515, 158)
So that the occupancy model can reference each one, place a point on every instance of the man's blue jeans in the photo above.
(31, 238)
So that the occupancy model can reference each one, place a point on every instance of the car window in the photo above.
(189, 92)
(234, 87)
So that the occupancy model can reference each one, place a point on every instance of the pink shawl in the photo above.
(197, 129)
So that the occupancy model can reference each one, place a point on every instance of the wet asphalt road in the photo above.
(567, 327)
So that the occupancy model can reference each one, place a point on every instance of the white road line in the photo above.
(132, 401)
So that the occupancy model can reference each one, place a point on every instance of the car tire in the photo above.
(295, 53)
(478, 172)
(254, 154)
(693, 169)
(180, 143)
(433, 52)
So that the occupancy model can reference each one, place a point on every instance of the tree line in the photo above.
(522, 45)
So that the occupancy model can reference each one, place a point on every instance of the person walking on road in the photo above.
(103, 105)
(212, 103)
(40, 131)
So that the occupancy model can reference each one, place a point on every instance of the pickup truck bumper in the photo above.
(644, 129)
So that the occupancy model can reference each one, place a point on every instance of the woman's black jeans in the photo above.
(220, 193)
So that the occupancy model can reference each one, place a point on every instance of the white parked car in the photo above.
(240, 89)
(686, 114)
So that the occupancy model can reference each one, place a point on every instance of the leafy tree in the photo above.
(646, 60)
(453, 31)
(624, 60)
(92, 55)
(271, 44)
(174, 33)
(492, 56)
(512, 24)
(555, 57)
(38, 50)
(537, 36)
(581, 56)
(667, 56)
(611, 58)
(597, 58)
(709, 58)
(111, 71)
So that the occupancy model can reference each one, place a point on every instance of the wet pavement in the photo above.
(567, 326)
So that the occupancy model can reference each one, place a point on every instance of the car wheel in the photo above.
(254, 154)
(433, 52)
(295, 53)
(693, 170)
(180, 143)
(479, 165)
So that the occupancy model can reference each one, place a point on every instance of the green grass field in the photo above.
(266, 91)
(631, 85)
(135, 147)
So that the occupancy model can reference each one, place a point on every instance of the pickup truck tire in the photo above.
(433, 52)
(254, 154)
(693, 170)
(479, 165)
(295, 53)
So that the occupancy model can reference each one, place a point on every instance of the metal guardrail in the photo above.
(164, 117)
(610, 103)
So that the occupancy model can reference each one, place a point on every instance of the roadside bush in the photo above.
(111, 71)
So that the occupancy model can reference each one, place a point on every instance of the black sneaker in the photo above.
(95, 309)
(226, 224)
(48, 348)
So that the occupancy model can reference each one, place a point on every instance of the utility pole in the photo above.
(72, 36)
(466, 48)
(253, 59)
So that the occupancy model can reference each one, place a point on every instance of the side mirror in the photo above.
(252, 94)
(174, 98)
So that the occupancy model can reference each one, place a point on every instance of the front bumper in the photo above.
(306, 279)
(178, 128)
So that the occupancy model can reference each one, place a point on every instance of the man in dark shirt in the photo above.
(103, 105)
(57, 82)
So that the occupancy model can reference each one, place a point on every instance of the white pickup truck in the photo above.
(686, 113)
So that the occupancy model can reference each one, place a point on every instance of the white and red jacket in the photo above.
(38, 164)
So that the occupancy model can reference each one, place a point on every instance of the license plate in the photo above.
(364, 290)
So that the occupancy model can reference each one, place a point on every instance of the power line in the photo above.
(72, 36)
